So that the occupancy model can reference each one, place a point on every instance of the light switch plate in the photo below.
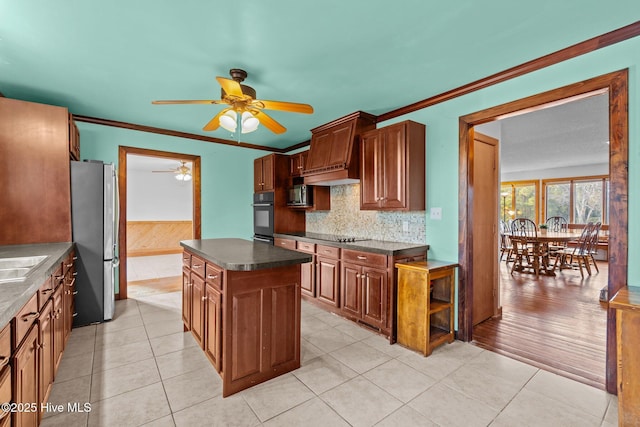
(435, 213)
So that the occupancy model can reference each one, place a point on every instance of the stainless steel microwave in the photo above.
(300, 195)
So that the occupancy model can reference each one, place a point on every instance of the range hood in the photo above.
(334, 155)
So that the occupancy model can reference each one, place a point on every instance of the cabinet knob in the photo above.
(196, 266)
(362, 257)
(204, 298)
(212, 276)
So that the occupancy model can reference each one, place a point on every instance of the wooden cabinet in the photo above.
(213, 325)
(68, 295)
(364, 287)
(47, 351)
(328, 275)
(197, 308)
(25, 379)
(285, 243)
(34, 156)
(5, 373)
(426, 291)
(250, 327)
(297, 163)
(308, 270)
(58, 327)
(334, 150)
(263, 179)
(186, 298)
(626, 302)
(74, 140)
(393, 168)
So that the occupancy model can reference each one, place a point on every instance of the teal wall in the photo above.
(227, 171)
(442, 140)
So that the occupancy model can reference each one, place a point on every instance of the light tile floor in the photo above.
(141, 369)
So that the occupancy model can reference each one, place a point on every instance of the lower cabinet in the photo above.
(213, 325)
(364, 288)
(186, 298)
(47, 353)
(25, 380)
(58, 327)
(328, 280)
(5, 374)
(197, 308)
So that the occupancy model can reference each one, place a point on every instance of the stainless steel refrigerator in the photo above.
(94, 213)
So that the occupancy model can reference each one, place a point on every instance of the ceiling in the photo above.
(110, 59)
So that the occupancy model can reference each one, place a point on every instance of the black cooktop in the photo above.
(335, 237)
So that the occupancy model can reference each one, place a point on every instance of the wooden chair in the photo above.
(593, 244)
(557, 224)
(579, 254)
(523, 251)
(505, 242)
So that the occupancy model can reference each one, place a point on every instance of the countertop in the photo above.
(244, 255)
(14, 295)
(374, 246)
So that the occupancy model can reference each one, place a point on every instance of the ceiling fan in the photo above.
(183, 172)
(243, 106)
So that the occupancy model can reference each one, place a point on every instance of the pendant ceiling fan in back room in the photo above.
(244, 109)
(183, 173)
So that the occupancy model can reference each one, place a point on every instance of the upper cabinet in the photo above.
(35, 177)
(298, 161)
(393, 168)
(333, 155)
(74, 140)
(263, 179)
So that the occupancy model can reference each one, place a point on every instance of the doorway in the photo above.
(130, 229)
(615, 85)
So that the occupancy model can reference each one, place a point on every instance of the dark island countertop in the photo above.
(244, 255)
(14, 295)
(373, 246)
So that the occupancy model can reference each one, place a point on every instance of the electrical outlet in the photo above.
(436, 213)
(405, 226)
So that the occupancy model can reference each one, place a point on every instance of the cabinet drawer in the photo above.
(186, 259)
(214, 275)
(306, 247)
(57, 277)
(67, 264)
(197, 266)
(328, 251)
(25, 318)
(364, 258)
(285, 243)
(45, 292)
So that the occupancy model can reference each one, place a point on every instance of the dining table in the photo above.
(538, 249)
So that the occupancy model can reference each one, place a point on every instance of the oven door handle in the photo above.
(262, 204)
(261, 239)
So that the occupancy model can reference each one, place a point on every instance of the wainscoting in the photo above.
(146, 238)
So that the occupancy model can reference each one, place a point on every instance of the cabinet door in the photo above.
(393, 164)
(327, 279)
(298, 162)
(341, 142)
(213, 326)
(197, 308)
(307, 279)
(370, 170)
(25, 379)
(47, 353)
(283, 305)
(186, 298)
(58, 327)
(351, 285)
(321, 147)
(5, 394)
(374, 296)
(268, 173)
(258, 181)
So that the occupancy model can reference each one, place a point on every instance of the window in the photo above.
(580, 200)
(519, 200)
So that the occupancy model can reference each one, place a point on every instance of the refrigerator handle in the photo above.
(116, 219)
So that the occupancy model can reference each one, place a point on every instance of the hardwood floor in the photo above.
(160, 285)
(554, 323)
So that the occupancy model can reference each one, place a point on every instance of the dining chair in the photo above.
(578, 254)
(521, 229)
(505, 242)
(593, 244)
(557, 224)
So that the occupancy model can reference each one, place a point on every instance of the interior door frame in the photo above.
(122, 188)
(616, 85)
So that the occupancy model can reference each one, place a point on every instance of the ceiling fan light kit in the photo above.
(242, 102)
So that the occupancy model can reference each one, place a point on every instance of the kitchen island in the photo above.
(241, 302)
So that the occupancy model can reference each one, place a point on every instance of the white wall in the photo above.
(158, 197)
(566, 172)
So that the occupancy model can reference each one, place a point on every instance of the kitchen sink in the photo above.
(17, 269)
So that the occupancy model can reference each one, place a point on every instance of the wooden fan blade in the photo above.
(231, 87)
(291, 107)
(190, 101)
(268, 122)
(215, 122)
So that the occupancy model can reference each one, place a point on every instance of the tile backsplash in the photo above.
(346, 218)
